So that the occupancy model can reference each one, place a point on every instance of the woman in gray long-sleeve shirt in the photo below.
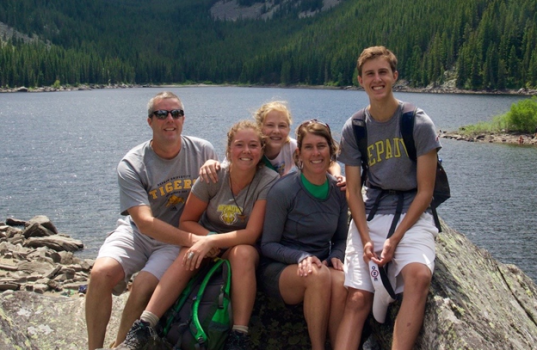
(304, 235)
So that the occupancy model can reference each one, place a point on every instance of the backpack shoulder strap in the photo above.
(407, 129)
(200, 335)
(360, 133)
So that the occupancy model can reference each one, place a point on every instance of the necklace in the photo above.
(241, 216)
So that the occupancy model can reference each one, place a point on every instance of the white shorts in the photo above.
(417, 245)
(136, 252)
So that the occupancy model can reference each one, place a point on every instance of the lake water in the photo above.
(59, 151)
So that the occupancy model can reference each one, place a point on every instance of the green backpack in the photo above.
(200, 318)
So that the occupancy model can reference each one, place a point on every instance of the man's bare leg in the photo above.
(417, 278)
(105, 274)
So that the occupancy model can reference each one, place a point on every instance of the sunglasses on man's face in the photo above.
(163, 114)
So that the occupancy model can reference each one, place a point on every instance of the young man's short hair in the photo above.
(374, 52)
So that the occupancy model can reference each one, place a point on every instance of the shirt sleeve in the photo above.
(278, 204)
(131, 189)
(339, 240)
(268, 178)
(205, 191)
(425, 135)
(349, 152)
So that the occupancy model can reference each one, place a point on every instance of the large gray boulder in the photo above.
(42, 322)
(474, 302)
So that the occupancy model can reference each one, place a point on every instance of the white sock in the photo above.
(150, 317)
(243, 329)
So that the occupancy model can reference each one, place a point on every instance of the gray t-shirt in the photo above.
(162, 184)
(389, 165)
(298, 225)
(223, 213)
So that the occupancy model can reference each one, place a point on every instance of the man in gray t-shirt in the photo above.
(155, 179)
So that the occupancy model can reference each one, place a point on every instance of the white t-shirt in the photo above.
(284, 161)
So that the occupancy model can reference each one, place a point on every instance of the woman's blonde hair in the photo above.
(243, 125)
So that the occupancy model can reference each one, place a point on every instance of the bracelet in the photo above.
(212, 233)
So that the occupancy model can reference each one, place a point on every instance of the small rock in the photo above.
(45, 222)
(15, 222)
(36, 230)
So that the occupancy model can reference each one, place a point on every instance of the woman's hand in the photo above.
(336, 263)
(305, 267)
(201, 249)
(209, 171)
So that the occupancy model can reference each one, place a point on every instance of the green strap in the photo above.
(180, 302)
(200, 335)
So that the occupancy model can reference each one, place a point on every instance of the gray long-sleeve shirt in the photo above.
(298, 225)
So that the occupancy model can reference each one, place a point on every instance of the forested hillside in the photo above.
(488, 43)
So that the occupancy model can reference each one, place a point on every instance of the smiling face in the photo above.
(314, 154)
(166, 132)
(377, 78)
(245, 149)
(276, 128)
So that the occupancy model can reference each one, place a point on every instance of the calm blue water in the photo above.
(59, 151)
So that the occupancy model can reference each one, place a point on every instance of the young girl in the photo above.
(228, 213)
(274, 119)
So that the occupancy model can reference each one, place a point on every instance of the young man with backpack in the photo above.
(398, 236)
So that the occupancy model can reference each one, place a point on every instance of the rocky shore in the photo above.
(515, 139)
(474, 301)
(35, 257)
(401, 86)
(82, 87)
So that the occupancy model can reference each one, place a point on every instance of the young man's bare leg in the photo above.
(417, 278)
(105, 274)
(142, 288)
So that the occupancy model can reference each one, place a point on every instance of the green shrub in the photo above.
(523, 115)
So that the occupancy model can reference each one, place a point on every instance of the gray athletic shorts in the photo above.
(417, 245)
(269, 277)
(136, 252)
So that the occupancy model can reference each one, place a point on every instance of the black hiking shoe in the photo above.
(238, 341)
(140, 337)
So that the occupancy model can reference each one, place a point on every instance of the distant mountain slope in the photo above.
(6, 33)
(484, 44)
(231, 10)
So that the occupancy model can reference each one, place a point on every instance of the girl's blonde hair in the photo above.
(279, 106)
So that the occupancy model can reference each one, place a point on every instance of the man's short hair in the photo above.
(374, 52)
(164, 95)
